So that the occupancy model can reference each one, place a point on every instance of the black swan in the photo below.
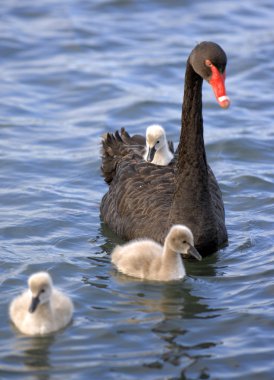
(145, 200)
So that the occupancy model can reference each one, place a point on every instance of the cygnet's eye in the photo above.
(157, 142)
(184, 241)
(42, 291)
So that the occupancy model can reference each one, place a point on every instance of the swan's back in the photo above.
(119, 148)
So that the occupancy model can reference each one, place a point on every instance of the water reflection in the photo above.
(173, 309)
(178, 305)
(111, 238)
(33, 353)
(37, 353)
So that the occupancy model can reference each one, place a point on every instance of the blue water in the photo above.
(72, 70)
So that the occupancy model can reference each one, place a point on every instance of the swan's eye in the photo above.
(184, 241)
(157, 142)
(42, 291)
(208, 63)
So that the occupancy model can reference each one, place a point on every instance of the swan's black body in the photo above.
(145, 200)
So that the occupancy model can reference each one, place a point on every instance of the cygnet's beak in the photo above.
(192, 251)
(34, 303)
(151, 153)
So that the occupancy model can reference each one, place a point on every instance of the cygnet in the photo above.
(157, 148)
(149, 260)
(41, 309)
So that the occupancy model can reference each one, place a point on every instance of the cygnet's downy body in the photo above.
(41, 309)
(157, 148)
(149, 260)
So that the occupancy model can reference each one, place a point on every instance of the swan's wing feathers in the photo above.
(132, 140)
(140, 194)
(115, 147)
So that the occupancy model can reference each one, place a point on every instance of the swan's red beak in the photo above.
(217, 82)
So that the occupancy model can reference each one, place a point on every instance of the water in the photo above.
(72, 70)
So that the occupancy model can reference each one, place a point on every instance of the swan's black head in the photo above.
(209, 61)
(204, 52)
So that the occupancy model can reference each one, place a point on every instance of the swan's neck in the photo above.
(172, 264)
(191, 150)
(163, 156)
(192, 200)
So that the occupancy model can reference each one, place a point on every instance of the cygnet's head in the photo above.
(40, 286)
(155, 140)
(180, 239)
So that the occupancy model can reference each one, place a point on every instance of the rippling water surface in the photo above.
(72, 70)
